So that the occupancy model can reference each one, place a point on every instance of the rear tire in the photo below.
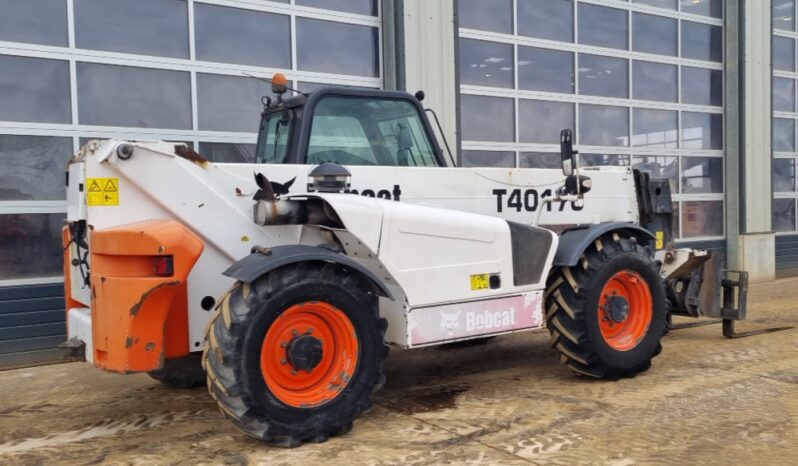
(185, 372)
(607, 314)
(260, 341)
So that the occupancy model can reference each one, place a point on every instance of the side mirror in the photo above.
(567, 152)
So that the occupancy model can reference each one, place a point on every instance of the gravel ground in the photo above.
(707, 400)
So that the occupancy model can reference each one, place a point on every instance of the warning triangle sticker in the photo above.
(110, 186)
(94, 187)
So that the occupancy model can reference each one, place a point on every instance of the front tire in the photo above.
(296, 355)
(607, 314)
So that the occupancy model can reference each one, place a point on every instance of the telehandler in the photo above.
(356, 234)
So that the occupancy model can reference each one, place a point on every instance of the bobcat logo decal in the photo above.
(450, 322)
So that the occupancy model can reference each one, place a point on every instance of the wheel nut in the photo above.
(283, 361)
(294, 332)
(293, 372)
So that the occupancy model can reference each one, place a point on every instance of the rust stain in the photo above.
(149, 346)
(130, 341)
(135, 309)
(190, 155)
(275, 212)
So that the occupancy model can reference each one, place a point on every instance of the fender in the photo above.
(139, 318)
(574, 242)
(263, 261)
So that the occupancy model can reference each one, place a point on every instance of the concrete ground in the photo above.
(707, 400)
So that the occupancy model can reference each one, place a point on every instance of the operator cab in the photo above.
(346, 126)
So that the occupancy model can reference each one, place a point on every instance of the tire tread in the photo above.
(566, 308)
(222, 355)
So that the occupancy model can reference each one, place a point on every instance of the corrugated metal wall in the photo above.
(32, 324)
(786, 256)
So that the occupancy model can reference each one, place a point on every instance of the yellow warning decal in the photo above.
(660, 239)
(103, 191)
(480, 282)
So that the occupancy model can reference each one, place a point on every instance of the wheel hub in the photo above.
(617, 309)
(304, 353)
(625, 310)
(309, 354)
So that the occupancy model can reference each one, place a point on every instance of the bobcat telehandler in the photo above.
(356, 233)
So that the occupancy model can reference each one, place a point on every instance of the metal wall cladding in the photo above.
(32, 324)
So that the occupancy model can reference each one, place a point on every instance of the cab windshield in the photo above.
(369, 131)
(352, 130)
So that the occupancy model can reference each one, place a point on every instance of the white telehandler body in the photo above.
(288, 277)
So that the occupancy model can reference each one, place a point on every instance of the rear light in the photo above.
(164, 266)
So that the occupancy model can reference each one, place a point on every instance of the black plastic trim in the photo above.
(574, 242)
(258, 264)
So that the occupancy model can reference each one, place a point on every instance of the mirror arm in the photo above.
(443, 135)
(575, 158)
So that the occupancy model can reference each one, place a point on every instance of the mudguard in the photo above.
(575, 241)
(264, 260)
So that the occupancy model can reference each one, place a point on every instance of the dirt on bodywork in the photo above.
(707, 400)
(189, 154)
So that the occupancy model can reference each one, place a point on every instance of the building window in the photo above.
(34, 90)
(112, 95)
(785, 116)
(34, 22)
(146, 27)
(229, 103)
(333, 47)
(640, 83)
(30, 245)
(32, 167)
(172, 70)
(238, 36)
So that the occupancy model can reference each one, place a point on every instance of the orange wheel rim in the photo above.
(309, 354)
(625, 310)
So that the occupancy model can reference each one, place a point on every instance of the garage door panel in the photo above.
(31, 331)
(32, 324)
(787, 256)
(30, 344)
(31, 305)
(32, 318)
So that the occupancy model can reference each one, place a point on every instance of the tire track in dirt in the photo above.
(104, 428)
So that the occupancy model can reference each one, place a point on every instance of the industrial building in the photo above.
(701, 92)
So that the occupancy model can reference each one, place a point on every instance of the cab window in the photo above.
(274, 136)
(368, 131)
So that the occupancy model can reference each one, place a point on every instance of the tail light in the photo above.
(164, 266)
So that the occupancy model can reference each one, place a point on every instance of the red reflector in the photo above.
(164, 266)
